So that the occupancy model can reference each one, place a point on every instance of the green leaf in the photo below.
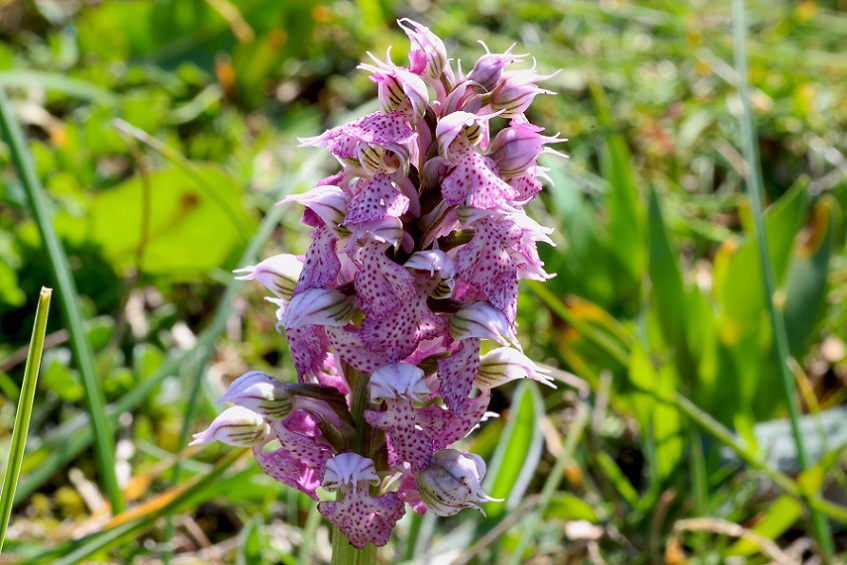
(188, 228)
(567, 506)
(519, 451)
(251, 540)
(668, 292)
(655, 411)
(805, 285)
(738, 278)
(617, 478)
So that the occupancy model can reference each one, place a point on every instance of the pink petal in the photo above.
(321, 264)
(407, 441)
(377, 200)
(457, 374)
(475, 181)
(364, 518)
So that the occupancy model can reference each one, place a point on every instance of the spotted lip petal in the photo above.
(362, 517)
(474, 180)
(382, 129)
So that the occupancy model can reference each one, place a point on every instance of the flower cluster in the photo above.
(418, 245)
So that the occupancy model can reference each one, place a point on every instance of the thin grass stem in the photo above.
(24, 413)
(104, 440)
(532, 520)
(754, 187)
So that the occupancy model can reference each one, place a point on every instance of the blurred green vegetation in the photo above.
(164, 132)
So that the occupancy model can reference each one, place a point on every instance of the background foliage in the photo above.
(163, 133)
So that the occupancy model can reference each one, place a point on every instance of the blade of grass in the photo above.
(22, 417)
(533, 518)
(136, 521)
(204, 354)
(77, 435)
(104, 441)
(313, 520)
(754, 187)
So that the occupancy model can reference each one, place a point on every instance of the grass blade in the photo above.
(104, 447)
(532, 520)
(22, 418)
(754, 186)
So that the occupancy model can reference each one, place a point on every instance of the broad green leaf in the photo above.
(654, 409)
(805, 285)
(568, 506)
(519, 451)
(251, 540)
(617, 478)
(190, 228)
(667, 289)
(624, 210)
(738, 280)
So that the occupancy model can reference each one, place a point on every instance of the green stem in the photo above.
(754, 187)
(22, 418)
(69, 303)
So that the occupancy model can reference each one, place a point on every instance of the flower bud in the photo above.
(262, 394)
(398, 380)
(236, 426)
(480, 319)
(396, 85)
(451, 482)
(516, 92)
(503, 365)
(428, 54)
(516, 149)
(318, 306)
(487, 70)
(278, 273)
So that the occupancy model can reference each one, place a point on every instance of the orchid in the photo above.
(419, 242)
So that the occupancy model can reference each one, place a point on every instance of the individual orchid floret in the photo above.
(503, 365)
(476, 182)
(516, 148)
(480, 319)
(436, 261)
(262, 394)
(236, 426)
(397, 87)
(428, 55)
(362, 517)
(461, 126)
(278, 273)
(517, 90)
(487, 70)
(452, 482)
(387, 130)
(398, 380)
(317, 306)
(378, 198)
(328, 202)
